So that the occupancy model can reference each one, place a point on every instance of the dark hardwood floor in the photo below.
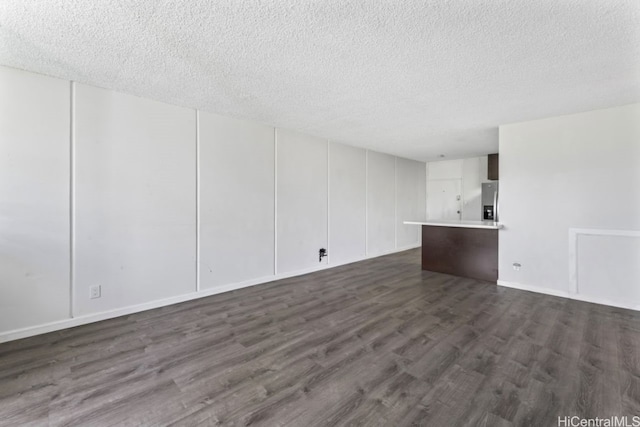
(379, 342)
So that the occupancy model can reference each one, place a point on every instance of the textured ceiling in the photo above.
(412, 78)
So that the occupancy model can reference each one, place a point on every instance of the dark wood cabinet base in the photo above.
(465, 252)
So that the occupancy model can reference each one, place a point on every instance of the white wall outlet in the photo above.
(95, 292)
(516, 266)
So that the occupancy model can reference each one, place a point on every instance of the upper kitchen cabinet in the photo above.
(493, 167)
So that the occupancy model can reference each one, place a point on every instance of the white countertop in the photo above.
(457, 223)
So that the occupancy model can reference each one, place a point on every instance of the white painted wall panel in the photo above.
(301, 200)
(134, 203)
(608, 268)
(236, 200)
(34, 199)
(575, 171)
(411, 194)
(381, 203)
(347, 203)
(135, 177)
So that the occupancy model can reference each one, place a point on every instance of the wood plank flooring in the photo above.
(376, 343)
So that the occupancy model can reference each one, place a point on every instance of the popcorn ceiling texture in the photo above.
(411, 78)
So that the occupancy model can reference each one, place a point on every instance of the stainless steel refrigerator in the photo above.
(490, 201)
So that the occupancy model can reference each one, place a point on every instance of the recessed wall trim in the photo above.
(366, 202)
(275, 201)
(72, 198)
(197, 201)
(574, 233)
(395, 202)
(328, 256)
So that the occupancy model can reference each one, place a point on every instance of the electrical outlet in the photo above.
(95, 292)
(516, 266)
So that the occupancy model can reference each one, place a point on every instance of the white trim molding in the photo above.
(574, 233)
(573, 288)
(567, 295)
(198, 204)
(536, 289)
(72, 199)
(110, 314)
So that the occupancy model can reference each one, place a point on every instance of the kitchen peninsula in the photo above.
(461, 248)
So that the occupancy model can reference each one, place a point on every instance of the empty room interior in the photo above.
(320, 212)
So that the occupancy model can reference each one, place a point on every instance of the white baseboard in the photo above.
(110, 314)
(406, 248)
(536, 289)
(569, 295)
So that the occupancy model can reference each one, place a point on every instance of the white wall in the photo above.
(444, 169)
(381, 203)
(301, 207)
(411, 194)
(614, 277)
(134, 199)
(474, 173)
(236, 159)
(447, 179)
(347, 203)
(155, 185)
(560, 179)
(34, 199)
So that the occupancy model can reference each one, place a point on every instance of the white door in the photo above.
(444, 199)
